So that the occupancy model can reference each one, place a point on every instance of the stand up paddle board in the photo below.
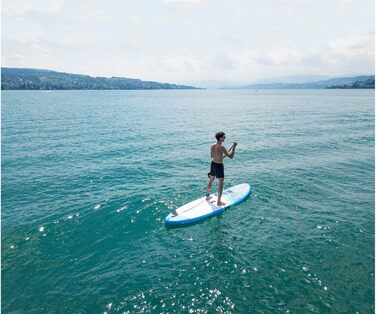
(202, 208)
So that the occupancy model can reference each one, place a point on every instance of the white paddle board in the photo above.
(202, 208)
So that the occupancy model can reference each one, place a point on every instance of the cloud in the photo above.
(185, 3)
(71, 38)
(43, 51)
(86, 11)
(180, 40)
(82, 10)
(184, 63)
(24, 7)
(15, 59)
(264, 60)
(356, 47)
(223, 61)
(287, 54)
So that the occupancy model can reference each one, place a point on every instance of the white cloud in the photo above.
(73, 39)
(17, 32)
(184, 3)
(86, 11)
(43, 51)
(357, 47)
(24, 7)
(182, 40)
(15, 59)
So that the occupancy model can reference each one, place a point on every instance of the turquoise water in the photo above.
(88, 177)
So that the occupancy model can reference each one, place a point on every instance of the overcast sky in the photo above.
(190, 40)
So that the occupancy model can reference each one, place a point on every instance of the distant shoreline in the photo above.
(34, 79)
(187, 89)
(356, 82)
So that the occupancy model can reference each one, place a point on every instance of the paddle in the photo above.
(232, 146)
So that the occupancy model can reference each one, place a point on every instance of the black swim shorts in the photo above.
(216, 170)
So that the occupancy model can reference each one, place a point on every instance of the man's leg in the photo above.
(220, 190)
(209, 187)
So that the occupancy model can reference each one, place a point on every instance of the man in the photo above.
(218, 153)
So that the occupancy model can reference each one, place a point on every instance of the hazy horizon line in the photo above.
(211, 82)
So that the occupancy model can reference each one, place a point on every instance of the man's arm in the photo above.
(232, 149)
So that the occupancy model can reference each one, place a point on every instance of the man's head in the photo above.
(220, 136)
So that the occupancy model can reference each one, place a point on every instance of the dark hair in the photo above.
(218, 135)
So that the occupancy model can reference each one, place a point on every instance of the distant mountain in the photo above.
(229, 84)
(293, 79)
(366, 84)
(35, 79)
(213, 84)
(330, 83)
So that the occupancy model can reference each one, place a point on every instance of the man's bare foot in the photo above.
(208, 197)
(220, 203)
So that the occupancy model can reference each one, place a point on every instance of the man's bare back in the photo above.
(217, 153)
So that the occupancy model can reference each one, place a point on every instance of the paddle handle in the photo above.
(231, 147)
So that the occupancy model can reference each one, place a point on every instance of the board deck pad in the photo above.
(201, 208)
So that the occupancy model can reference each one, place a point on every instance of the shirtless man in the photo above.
(218, 153)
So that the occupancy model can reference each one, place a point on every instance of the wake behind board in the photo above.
(202, 208)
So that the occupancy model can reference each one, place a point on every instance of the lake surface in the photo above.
(89, 176)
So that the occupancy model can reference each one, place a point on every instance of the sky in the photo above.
(187, 41)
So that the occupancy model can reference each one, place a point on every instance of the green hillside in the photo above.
(34, 79)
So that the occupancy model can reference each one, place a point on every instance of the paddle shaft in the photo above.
(231, 147)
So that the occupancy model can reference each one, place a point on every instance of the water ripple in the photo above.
(88, 179)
